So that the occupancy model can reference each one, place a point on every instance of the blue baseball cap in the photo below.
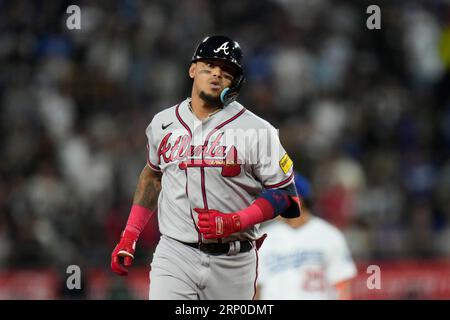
(303, 186)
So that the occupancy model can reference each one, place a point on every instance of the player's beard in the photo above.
(211, 100)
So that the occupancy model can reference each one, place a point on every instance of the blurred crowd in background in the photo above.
(365, 115)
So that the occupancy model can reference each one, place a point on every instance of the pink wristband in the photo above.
(138, 218)
(261, 210)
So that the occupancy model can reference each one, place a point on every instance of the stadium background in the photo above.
(364, 114)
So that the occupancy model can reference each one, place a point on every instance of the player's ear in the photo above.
(192, 70)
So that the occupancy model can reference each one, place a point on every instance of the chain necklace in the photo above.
(209, 115)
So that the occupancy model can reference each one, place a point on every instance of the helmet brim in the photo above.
(234, 64)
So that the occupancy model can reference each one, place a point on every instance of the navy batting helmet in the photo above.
(223, 48)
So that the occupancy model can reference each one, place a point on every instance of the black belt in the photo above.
(217, 249)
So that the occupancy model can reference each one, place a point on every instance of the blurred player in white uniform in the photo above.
(305, 258)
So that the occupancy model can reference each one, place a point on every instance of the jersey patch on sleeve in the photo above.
(286, 163)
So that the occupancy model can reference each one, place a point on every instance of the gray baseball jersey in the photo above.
(220, 163)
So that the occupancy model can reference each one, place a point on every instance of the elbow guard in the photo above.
(285, 201)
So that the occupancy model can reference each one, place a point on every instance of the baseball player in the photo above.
(314, 261)
(214, 172)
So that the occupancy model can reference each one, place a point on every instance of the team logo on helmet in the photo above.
(223, 47)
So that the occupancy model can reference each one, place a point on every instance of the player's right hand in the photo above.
(123, 254)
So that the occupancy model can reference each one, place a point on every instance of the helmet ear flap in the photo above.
(228, 95)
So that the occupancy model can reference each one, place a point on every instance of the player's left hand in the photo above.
(214, 224)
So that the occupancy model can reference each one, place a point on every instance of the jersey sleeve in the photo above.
(341, 266)
(152, 154)
(273, 167)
